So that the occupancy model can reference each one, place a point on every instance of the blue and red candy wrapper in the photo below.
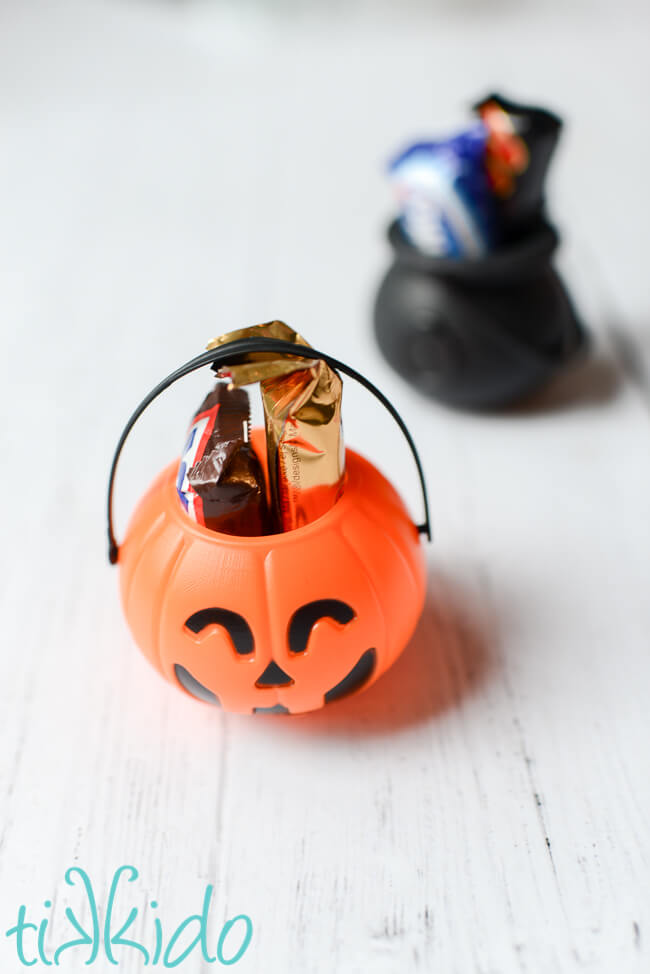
(447, 207)
(465, 195)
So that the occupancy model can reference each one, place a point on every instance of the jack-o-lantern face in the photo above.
(283, 623)
(274, 677)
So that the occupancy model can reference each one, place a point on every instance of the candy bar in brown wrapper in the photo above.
(302, 412)
(220, 479)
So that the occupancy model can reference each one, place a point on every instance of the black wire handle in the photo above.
(229, 353)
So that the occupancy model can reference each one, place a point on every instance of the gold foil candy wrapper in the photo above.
(302, 413)
(258, 366)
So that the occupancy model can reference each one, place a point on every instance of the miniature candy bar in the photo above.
(220, 480)
(302, 411)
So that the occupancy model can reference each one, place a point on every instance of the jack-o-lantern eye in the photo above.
(304, 619)
(234, 624)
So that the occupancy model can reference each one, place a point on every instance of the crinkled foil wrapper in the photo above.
(302, 413)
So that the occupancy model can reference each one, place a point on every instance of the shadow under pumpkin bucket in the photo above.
(279, 623)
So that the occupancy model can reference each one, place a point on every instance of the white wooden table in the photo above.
(169, 171)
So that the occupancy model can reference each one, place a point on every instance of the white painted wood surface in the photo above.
(171, 171)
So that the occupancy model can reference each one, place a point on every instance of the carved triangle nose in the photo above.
(274, 676)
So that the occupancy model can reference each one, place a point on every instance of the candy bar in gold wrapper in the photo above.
(302, 413)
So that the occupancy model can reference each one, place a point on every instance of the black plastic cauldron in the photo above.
(477, 332)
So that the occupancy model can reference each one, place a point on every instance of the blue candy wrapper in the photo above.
(447, 207)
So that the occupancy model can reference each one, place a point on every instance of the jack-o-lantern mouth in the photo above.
(358, 676)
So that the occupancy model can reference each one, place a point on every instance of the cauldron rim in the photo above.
(515, 260)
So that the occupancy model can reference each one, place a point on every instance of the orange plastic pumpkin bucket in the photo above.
(279, 623)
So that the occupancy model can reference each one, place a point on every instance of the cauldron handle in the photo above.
(228, 354)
